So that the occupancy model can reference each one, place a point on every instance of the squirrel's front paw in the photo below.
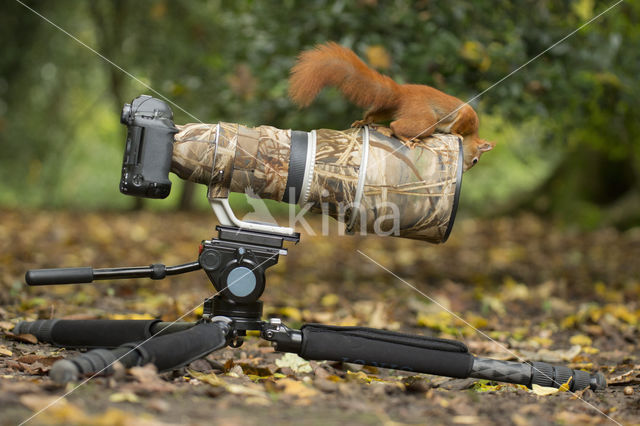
(359, 123)
(385, 131)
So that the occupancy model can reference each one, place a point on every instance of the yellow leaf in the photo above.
(546, 391)
(213, 380)
(291, 312)
(472, 50)
(486, 387)
(590, 350)
(565, 386)
(583, 8)
(114, 416)
(543, 390)
(294, 362)
(124, 397)
(476, 321)
(438, 320)
(542, 341)
(58, 409)
(330, 299)
(359, 376)
(580, 339)
(5, 351)
(246, 390)
(569, 321)
(130, 316)
(198, 311)
(209, 378)
(297, 388)
(378, 57)
(622, 313)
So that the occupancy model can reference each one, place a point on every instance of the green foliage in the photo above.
(229, 61)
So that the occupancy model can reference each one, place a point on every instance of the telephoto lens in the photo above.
(370, 182)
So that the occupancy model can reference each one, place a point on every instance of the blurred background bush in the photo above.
(567, 124)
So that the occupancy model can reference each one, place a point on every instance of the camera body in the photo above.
(149, 148)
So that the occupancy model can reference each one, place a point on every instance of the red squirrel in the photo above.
(417, 110)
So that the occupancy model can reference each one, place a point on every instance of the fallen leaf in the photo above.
(35, 368)
(630, 377)
(465, 420)
(131, 317)
(255, 391)
(246, 390)
(295, 363)
(144, 374)
(580, 339)
(148, 380)
(329, 300)
(360, 377)
(484, 386)
(557, 355)
(545, 390)
(6, 325)
(124, 397)
(5, 351)
(26, 338)
(291, 312)
(46, 360)
(209, 378)
(590, 350)
(297, 389)
(250, 369)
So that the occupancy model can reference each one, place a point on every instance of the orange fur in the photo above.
(417, 110)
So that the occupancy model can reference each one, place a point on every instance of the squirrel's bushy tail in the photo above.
(333, 65)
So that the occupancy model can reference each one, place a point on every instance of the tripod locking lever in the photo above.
(283, 338)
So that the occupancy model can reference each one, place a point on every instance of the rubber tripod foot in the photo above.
(64, 371)
(597, 382)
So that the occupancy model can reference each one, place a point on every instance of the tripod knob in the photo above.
(243, 281)
(237, 274)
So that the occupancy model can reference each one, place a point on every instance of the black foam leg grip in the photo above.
(177, 349)
(386, 349)
(39, 328)
(87, 334)
(166, 352)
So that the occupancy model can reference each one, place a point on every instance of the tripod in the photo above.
(235, 262)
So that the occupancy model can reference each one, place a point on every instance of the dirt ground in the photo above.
(556, 295)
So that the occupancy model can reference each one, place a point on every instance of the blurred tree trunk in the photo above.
(110, 20)
(186, 199)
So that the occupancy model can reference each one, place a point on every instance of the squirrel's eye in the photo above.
(475, 161)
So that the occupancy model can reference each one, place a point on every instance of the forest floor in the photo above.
(534, 291)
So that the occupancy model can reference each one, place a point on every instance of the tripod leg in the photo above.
(538, 373)
(386, 349)
(166, 352)
(95, 333)
(442, 357)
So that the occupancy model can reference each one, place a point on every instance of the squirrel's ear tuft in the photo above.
(485, 146)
